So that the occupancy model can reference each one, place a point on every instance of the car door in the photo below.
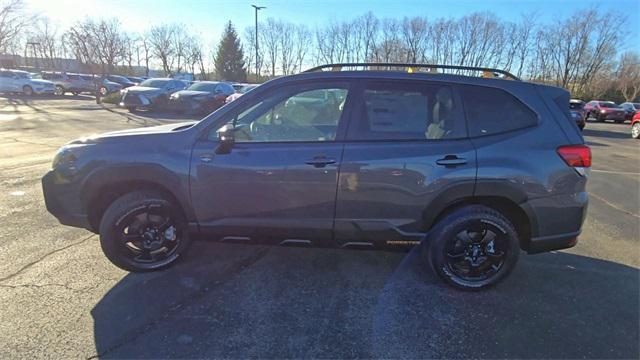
(406, 154)
(277, 182)
(6, 79)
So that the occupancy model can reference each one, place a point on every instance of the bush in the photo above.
(113, 98)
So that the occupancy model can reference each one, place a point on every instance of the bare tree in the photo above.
(161, 41)
(49, 41)
(414, 36)
(628, 75)
(301, 42)
(270, 34)
(13, 20)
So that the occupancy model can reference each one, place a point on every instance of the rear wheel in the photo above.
(104, 91)
(472, 248)
(59, 90)
(27, 90)
(635, 130)
(143, 231)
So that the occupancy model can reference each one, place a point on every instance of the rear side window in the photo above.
(493, 111)
(408, 111)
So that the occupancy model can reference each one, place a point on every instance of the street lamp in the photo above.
(258, 8)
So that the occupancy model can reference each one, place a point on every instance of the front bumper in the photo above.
(135, 100)
(613, 116)
(62, 201)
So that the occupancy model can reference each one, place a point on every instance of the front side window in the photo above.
(493, 111)
(408, 111)
(293, 114)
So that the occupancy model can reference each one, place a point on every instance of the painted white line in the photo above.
(615, 172)
(16, 193)
(613, 205)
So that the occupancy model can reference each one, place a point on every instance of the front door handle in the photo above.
(451, 160)
(206, 158)
(320, 162)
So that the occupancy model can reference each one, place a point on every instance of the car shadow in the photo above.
(605, 134)
(238, 301)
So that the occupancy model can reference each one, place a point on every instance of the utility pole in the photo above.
(258, 8)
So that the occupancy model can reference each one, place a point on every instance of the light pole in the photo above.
(258, 8)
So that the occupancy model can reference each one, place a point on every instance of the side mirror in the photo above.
(226, 138)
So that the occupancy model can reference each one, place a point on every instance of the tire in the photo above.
(488, 234)
(27, 90)
(104, 91)
(131, 109)
(635, 130)
(59, 90)
(143, 231)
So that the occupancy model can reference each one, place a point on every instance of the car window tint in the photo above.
(493, 111)
(302, 115)
(408, 111)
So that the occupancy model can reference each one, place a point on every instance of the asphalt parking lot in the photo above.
(61, 298)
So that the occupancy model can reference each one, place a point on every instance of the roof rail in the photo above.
(486, 72)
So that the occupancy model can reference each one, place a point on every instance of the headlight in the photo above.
(174, 96)
(65, 156)
(603, 111)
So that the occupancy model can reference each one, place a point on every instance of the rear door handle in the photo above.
(206, 158)
(320, 162)
(451, 160)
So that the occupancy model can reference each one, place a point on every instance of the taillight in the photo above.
(576, 155)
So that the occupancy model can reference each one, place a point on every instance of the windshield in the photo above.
(203, 86)
(155, 83)
(608, 104)
(636, 106)
(576, 106)
(118, 78)
(247, 88)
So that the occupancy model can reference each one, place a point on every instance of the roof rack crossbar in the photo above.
(341, 66)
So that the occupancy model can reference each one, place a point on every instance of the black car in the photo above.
(201, 97)
(150, 94)
(471, 169)
(125, 82)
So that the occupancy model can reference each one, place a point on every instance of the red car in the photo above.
(635, 126)
(604, 110)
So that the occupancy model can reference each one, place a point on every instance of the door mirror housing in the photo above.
(226, 139)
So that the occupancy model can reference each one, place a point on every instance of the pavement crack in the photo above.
(31, 264)
(224, 277)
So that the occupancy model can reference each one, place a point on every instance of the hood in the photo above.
(191, 93)
(143, 90)
(151, 130)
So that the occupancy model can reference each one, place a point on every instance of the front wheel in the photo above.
(27, 90)
(143, 231)
(635, 130)
(104, 91)
(59, 90)
(472, 248)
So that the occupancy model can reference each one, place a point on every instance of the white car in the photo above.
(17, 81)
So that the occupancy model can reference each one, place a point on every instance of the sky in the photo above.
(208, 17)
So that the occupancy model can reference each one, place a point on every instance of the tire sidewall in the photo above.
(457, 221)
(110, 238)
(27, 90)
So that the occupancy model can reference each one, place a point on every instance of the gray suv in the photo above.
(472, 169)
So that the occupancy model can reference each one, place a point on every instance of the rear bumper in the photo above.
(62, 201)
(553, 242)
(556, 221)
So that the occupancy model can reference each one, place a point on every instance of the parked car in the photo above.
(123, 81)
(604, 110)
(630, 109)
(16, 81)
(635, 126)
(241, 90)
(576, 108)
(375, 159)
(201, 97)
(105, 86)
(135, 80)
(150, 94)
(68, 82)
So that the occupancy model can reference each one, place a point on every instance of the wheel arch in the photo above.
(104, 187)
(510, 202)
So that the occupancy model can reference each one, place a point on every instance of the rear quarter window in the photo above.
(494, 111)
